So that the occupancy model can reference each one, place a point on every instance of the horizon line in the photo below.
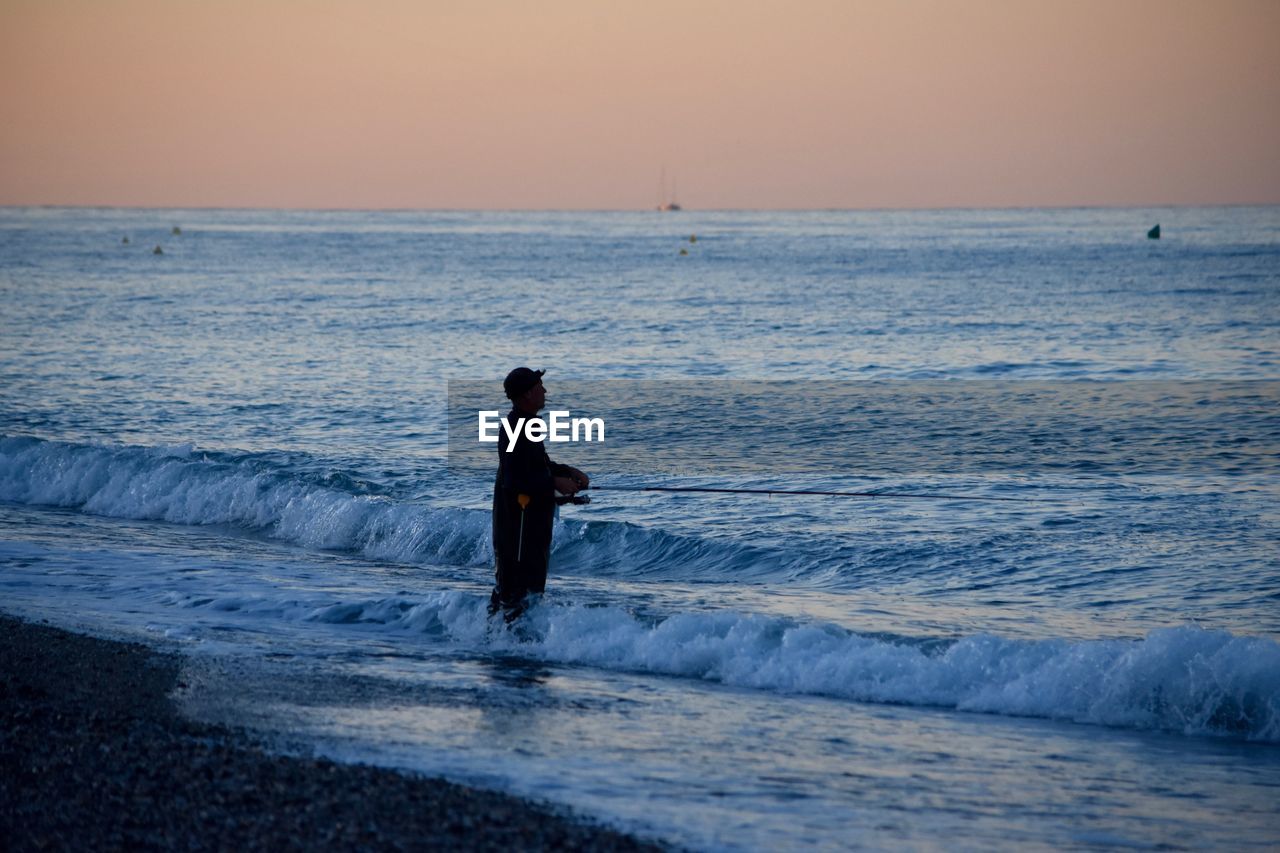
(676, 214)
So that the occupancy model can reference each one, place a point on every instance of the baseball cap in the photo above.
(520, 380)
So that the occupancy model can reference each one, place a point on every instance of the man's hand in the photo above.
(578, 477)
(565, 485)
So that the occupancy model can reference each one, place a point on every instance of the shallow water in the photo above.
(238, 447)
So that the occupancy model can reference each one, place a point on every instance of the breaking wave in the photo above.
(182, 486)
(1185, 679)
(179, 486)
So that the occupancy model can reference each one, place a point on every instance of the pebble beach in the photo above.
(94, 756)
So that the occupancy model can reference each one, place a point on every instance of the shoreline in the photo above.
(94, 755)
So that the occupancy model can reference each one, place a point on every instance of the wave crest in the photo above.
(1185, 679)
(182, 487)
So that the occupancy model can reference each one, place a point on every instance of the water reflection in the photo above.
(519, 673)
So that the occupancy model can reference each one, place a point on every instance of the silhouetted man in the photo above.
(524, 500)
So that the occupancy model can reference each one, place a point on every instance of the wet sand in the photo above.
(93, 755)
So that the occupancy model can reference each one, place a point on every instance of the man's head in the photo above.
(524, 388)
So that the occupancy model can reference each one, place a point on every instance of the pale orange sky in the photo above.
(580, 103)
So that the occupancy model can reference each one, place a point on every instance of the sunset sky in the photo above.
(581, 103)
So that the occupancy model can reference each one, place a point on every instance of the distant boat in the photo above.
(667, 203)
(1154, 233)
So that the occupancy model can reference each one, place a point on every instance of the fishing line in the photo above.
(922, 495)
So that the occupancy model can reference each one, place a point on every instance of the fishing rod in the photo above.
(922, 495)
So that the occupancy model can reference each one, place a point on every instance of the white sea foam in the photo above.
(176, 485)
(1183, 679)
(180, 485)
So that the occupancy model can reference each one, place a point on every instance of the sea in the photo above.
(1042, 613)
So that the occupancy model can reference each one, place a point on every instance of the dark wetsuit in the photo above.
(521, 559)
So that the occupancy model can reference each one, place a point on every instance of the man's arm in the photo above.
(569, 480)
(525, 469)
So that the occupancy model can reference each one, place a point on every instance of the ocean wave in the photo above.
(1185, 679)
(329, 511)
(181, 486)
